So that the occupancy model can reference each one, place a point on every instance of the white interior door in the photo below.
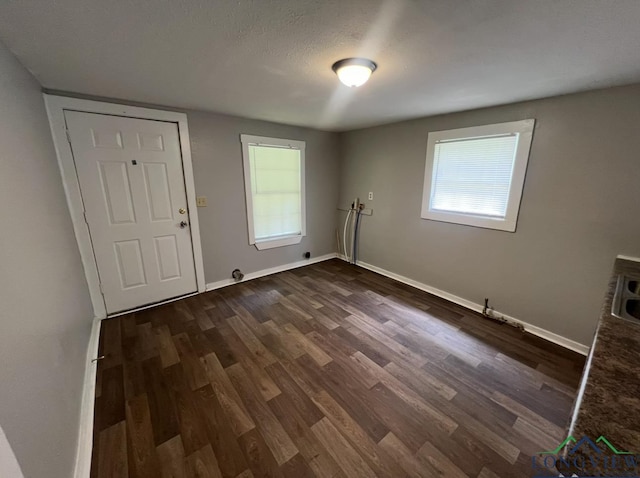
(132, 184)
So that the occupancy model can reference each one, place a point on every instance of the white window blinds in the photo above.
(473, 175)
(276, 190)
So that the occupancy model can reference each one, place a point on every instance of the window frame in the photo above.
(524, 129)
(279, 241)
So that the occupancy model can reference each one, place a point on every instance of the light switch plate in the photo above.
(201, 201)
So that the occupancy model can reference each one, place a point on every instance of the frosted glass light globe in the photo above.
(354, 75)
(354, 72)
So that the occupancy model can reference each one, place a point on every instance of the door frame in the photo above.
(56, 106)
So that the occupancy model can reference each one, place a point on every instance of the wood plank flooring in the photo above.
(328, 371)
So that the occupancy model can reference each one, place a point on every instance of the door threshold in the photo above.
(148, 306)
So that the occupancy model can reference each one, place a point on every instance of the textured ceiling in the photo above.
(271, 59)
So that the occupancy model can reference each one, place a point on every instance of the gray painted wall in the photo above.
(579, 209)
(217, 164)
(45, 317)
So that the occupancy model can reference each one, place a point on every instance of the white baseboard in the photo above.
(532, 329)
(85, 433)
(272, 270)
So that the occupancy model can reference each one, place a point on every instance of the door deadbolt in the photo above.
(182, 210)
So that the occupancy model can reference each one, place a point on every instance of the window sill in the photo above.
(485, 222)
(278, 242)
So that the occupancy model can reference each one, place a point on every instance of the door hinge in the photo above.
(101, 289)
(84, 214)
(68, 135)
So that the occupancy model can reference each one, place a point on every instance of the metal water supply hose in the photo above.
(355, 236)
(344, 235)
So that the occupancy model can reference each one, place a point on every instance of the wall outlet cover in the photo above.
(370, 196)
(201, 201)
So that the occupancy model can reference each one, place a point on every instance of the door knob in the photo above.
(183, 224)
(182, 210)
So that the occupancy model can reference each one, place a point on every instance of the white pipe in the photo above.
(344, 235)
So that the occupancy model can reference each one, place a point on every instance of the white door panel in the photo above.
(116, 190)
(132, 184)
(156, 181)
(130, 266)
(167, 257)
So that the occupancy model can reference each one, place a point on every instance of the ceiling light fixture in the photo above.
(354, 72)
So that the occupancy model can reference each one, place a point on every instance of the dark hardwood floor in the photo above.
(330, 371)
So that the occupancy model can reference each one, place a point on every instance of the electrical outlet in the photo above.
(201, 201)
(370, 196)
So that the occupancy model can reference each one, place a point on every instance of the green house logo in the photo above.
(586, 440)
(586, 458)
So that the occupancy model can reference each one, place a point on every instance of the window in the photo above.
(474, 176)
(274, 185)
